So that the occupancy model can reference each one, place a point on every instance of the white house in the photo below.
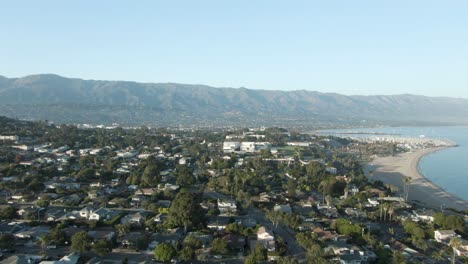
(102, 214)
(227, 206)
(444, 235)
(265, 234)
(267, 238)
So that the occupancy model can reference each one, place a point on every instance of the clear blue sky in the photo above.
(349, 47)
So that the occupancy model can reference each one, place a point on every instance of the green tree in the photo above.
(316, 255)
(257, 256)
(193, 242)
(398, 257)
(165, 252)
(57, 235)
(185, 211)
(81, 242)
(122, 229)
(150, 175)
(86, 173)
(219, 246)
(44, 239)
(7, 240)
(287, 260)
(184, 176)
(102, 247)
(291, 188)
(187, 253)
(8, 212)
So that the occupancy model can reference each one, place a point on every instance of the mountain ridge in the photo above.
(200, 104)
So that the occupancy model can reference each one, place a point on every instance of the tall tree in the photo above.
(406, 182)
(81, 242)
(455, 243)
(219, 246)
(185, 211)
(165, 252)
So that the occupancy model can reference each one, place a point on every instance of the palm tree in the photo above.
(391, 210)
(455, 242)
(381, 211)
(346, 190)
(385, 208)
(407, 182)
(44, 239)
(438, 255)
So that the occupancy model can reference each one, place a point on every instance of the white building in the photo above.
(231, 146)
(254, 146)
(227, 207)
(331, 170)
(444, 235)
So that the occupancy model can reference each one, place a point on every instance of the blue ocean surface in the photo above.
(447, 168)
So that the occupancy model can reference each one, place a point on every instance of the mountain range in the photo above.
(72, 100)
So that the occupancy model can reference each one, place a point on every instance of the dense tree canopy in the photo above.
(185, 211)
(165, 252)
(81, 242)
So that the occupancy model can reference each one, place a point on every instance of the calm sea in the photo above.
(447, 168)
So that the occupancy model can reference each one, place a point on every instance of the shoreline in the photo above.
(392, 170)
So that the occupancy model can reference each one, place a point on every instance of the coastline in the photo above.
(393, 169)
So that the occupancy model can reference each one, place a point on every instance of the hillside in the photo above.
(63, 99)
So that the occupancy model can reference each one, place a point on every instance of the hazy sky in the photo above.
(349, 47)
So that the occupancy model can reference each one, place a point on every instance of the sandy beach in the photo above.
(393, 169)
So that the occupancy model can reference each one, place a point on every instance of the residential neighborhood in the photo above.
(258, 195)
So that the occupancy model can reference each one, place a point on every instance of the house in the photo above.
(160, 218)
(444, 235)
(264, 198)
(218, 223)
(350, 254)
(266, 238)
(146, 191)
(131, 239)
(327, 234)
(171, 236)
(68, 259)
(227, 206)
(54, 214)
(12, 227)
(73, 215)
(355, 213)
(351, 257)
(236, 242)
(137, 218)
(249, 222)
(353, 189)
(103, 214)
(102, 235)
(372, 202)
(462, 250)
(424, 215)
(93, 194)
(33, 232)
(206, 239)
(284, 208)
(70, 231)
(86, 212)
(331, 170)
(265, 234)
(164, 203)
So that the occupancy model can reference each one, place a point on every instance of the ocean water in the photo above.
(447, 168)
